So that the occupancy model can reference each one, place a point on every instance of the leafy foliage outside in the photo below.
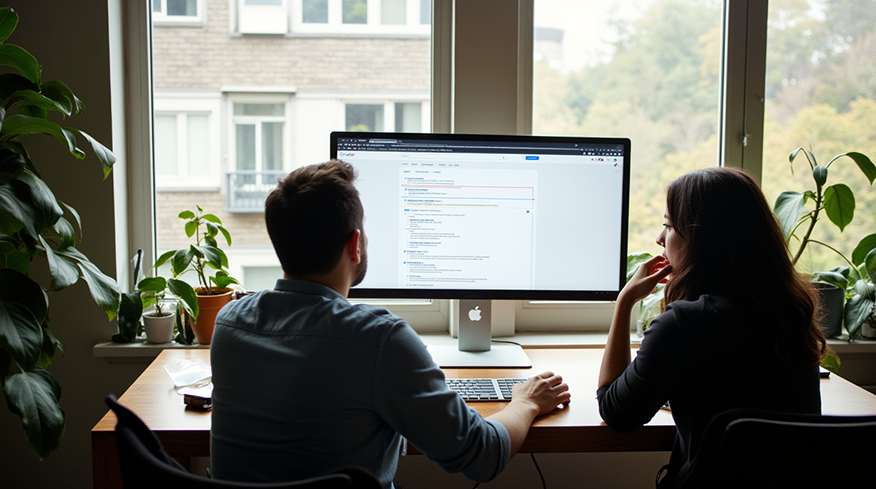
(35, 225)
(660, 85)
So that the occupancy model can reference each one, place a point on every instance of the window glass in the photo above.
(275, 3)
(166, 152)
(648, 71)
(198, 140)
(426, 12)
(364, 117)
(272, 145)
(355, 11)
(392, 12)
(314, 11)
(821, 95)
(246, 150)
(182, 7)
(408, 117)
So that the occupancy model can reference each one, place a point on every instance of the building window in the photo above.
(368, 17)
(176, 11)
(258, 130)
(182, 145)
(387, 116)
(186, 132)
(263, 17)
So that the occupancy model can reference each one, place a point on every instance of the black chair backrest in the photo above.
(145, 465)
(747, 448)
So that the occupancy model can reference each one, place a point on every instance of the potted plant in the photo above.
(213, 291)
(158, 324)
(797, 211)
(34, 225)
(857, 280)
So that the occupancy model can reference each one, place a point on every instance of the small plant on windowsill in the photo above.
(152, 291)
(202, 256)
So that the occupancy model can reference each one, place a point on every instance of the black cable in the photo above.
(540, 475)
(506, 341)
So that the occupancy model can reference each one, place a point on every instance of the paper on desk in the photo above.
(188, 373)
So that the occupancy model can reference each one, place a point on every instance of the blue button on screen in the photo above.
(532, 157)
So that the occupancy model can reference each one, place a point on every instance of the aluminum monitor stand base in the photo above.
(475, 349)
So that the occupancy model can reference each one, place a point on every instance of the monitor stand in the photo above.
(475, 349)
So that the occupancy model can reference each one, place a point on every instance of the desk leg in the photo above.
(105, 461)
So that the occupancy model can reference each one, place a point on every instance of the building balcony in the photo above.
(248, 189)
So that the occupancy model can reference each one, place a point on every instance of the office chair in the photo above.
(751, 448)
(145, 465)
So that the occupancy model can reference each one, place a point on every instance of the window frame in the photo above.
(455, 27)
(161, 18)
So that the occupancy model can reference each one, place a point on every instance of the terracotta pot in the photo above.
(159, 329)
(208, 307)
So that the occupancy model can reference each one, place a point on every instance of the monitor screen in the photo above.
(460, 216)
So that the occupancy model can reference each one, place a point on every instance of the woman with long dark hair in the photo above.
(738, 328)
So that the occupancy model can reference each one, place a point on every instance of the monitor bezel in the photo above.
(503, 294)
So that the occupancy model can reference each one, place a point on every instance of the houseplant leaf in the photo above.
(839, 204)
(17, 57)
(788, 209)
(104, 290)
(50, 344)
(44, 203)
(152, 284)
(186, 294)
(8, 21)
(863, 163)
(19, 125)
(858, 308)
(870, 266)
(16, 210)
(63, 273)
(106, 157)
(130, 310)
(865, 246)
(181, 260)
(20, 333)
(34, 395)
(12, 258)
(21, 289)
(63, 96)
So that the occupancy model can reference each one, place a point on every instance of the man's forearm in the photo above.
(517, 417)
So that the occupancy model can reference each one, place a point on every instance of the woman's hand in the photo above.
(642, 283)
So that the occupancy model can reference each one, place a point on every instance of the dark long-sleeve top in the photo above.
(704, 358)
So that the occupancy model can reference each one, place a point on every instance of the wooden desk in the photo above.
(577, 428)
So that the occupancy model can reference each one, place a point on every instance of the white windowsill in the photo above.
(141, 351)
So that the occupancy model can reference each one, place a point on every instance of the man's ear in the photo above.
(353, 250)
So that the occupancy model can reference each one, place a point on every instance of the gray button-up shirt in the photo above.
(305, 382)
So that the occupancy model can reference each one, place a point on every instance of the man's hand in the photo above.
(546, 391)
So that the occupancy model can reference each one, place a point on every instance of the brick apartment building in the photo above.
(247, 90)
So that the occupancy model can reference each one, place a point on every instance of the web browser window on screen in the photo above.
(491, 216)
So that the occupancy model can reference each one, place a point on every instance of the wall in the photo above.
(71, 42)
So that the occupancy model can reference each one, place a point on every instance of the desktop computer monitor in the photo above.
(490, 217)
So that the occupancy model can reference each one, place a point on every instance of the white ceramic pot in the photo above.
(159, 329)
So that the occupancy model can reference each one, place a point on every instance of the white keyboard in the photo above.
(483, 389)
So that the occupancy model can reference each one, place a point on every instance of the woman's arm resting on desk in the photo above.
(617, 346)
(540, 395)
